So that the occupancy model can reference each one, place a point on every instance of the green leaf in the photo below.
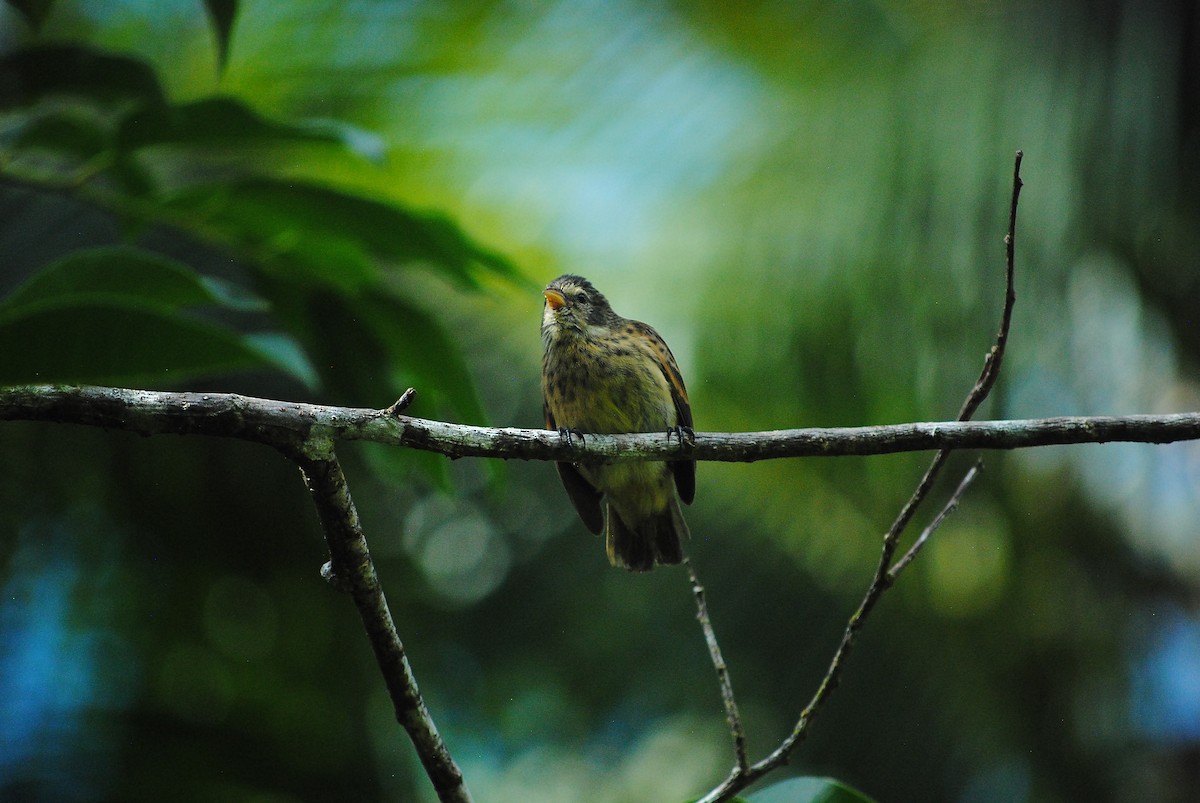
(359, 141)
(133, 179)
(422, 354)
(34, 11)
(347, 353)
(358, 364)
(285, 353)
(31, 74)
(218, 121)
(222, 14)
(81, 340)
(447, 244)
(371, 346)
(64, 131)
(397, 465)
(295, 220)
(233, 296)
(289, 240)
(126, 273)
(809, 790)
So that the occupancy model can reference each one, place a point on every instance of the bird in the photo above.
(605, 374)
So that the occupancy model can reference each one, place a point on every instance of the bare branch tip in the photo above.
(401, 404)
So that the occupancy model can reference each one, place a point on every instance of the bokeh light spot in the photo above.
(967, 568)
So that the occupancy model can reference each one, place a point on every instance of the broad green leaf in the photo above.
(218, 121)
(446, 240)
(234, 296)
(222, 14)
(126, 273)
(32, 74)
(133, 179)
(809, 790)
(292, 218)
(68, 132)
(360, 362)
(288, 240)
(34, 11)
(359, 141)
(397, 465)
(347, 352)
(422, 354)
(79, 340)
(284, 352)
(371, 346)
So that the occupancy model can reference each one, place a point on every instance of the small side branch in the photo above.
(946, 510)
(885, 573)
(991, 365)
(350, 567)
(732, 717)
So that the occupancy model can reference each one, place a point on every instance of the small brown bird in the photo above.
(602, 373)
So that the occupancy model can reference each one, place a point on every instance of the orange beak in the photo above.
(554, 298)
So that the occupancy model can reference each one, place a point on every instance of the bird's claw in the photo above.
(685, 435)
(568, 433)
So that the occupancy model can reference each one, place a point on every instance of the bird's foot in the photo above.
(685, 435)
(568, 434)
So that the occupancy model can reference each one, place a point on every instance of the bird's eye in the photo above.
(583, 298)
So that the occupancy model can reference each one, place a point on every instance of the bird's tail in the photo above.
(657, 539)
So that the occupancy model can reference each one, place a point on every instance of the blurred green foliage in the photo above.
(330, 202)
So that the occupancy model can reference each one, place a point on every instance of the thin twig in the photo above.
(882, 579)
(946, 510)
(991, 365)
(732, 717)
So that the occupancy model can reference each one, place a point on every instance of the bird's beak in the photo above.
(554, 298)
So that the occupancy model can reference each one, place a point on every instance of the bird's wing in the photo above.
(684, 470)
(583, 495)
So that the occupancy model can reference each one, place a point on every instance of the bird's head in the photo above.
(572, 303)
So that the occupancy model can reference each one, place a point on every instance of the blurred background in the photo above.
(331, 202)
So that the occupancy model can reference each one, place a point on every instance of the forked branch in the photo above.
(885, 573)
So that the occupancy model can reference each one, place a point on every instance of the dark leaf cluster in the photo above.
(306, 287)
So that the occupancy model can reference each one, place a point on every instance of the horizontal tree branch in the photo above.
(294, 424)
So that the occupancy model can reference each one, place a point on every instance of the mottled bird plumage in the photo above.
(603, 373)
